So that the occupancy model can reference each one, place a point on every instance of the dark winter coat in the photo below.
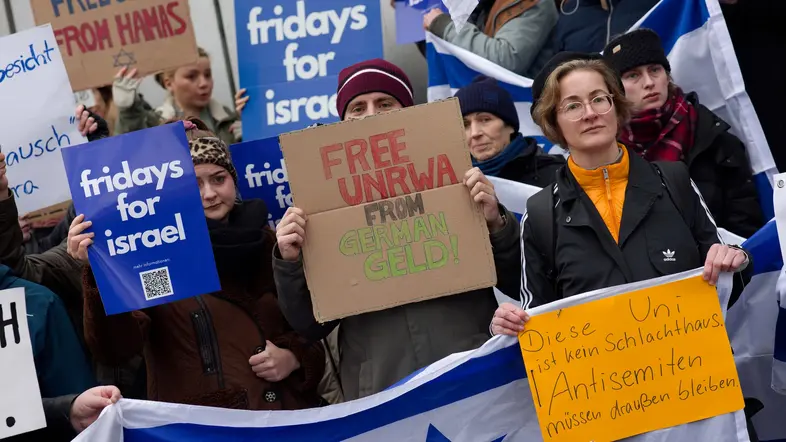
(720, 168)
(584, 26)
(586, 256)
(197, 349)
(378, 349)
(532, 166)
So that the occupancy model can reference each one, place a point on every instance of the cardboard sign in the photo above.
(632, 363)
(262, 174)
(389, 220)
(140, 191)
(98, 38)
(21, 409)
(290, 53)
(36, 118)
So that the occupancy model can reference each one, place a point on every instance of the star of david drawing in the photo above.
(435, 435)
(124, 59)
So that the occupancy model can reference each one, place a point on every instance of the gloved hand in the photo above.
(124, 88)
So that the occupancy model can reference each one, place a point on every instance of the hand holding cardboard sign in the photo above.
(88, 405)
(274, 364)
(290, 234)
(125, 87)
(78, 242)
(482, 192)
(509, 320)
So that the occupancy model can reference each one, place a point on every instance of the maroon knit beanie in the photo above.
(369, 76)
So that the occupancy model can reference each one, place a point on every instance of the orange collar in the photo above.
(593, 178)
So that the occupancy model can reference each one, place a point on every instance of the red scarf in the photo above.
(663, 134)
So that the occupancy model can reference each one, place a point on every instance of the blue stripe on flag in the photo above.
(765, 249)
(764, 186)
(691, 15)
(472, 377)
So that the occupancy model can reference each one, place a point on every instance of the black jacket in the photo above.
(532, 166)
(587, 257)
(720, 168)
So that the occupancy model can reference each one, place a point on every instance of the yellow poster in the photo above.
(631, 363)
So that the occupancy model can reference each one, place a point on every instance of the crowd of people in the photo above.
(649, 169)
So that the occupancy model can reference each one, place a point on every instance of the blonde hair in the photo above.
(545, 111)
(161, 77)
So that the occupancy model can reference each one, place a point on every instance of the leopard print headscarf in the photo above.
(211, 150)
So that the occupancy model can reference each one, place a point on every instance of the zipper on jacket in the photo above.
(608, 21)
(207, 341)
(609, 196)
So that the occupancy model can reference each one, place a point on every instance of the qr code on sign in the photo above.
(156, 283)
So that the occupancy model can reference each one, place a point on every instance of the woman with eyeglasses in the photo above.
(612, 217)
(669, 125)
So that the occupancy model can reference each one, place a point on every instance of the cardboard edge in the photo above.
(488, 283)
(457, 108)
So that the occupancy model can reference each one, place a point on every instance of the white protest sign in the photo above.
(36, 118)
(85, 97)
(21, 410)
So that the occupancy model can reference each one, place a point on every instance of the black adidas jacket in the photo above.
(655, 239)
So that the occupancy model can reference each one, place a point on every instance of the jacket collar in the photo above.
(169, 110)
(644, 187)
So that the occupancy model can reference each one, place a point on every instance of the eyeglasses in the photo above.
(575, 110)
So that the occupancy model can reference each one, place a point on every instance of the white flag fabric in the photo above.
(701, 55)
(476, 396)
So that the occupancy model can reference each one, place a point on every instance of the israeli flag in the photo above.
(477, 396)
(701, 55)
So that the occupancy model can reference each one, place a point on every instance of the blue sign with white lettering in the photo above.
(262, 174)
(290, 53)
(409, 19)
(151, 243)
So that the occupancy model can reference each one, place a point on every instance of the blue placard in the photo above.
(262, 174)
(409, 19)
(151, 243)
(290, 53)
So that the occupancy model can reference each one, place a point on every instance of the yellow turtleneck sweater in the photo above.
(605, 186)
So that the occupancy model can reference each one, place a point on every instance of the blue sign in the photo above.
(409, 19)
(151, 243)
(290, 53)
(262, 174)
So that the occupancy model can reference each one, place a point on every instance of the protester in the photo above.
(587, 25)
(105, 107)
(380, 348)
(514, 34)
(231, 348)
(575, 238)
(189, 94)
(68, 415)
(498, 149)
(56, 270)
(668, 125)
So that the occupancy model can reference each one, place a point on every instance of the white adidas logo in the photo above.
(669, 256)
